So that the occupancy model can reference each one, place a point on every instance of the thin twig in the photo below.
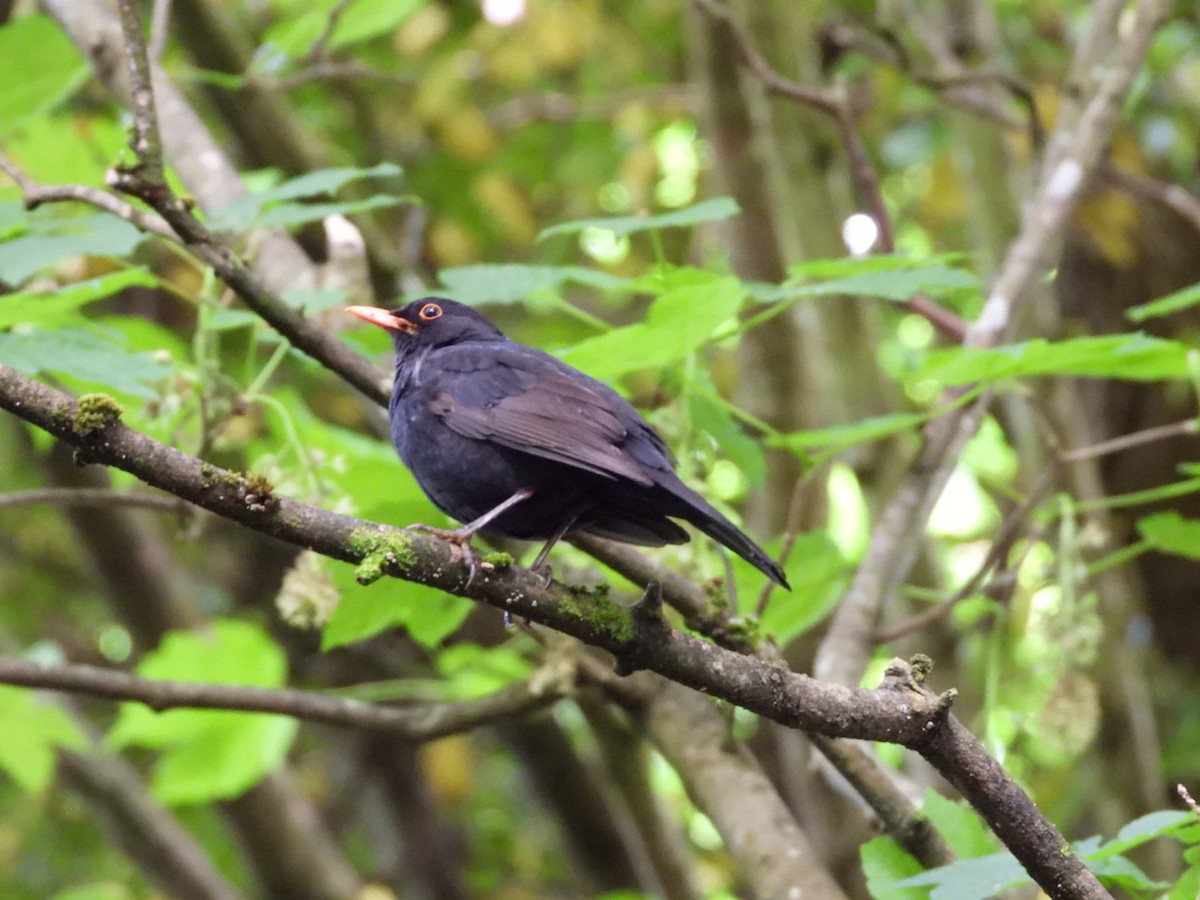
(320, 47)
(1006, 536)
(35, 195)
(144, 179)
(423, 722)
(94, 497)
(758, 64)
(953, 81)
(1186, 796)
(1173, 196)
(791, 531)
(329, 70)
(1127, 441)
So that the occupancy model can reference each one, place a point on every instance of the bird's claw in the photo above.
(543, 572)
(458, 536)
(459, 540)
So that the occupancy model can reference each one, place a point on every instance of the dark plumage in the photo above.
(509, 439)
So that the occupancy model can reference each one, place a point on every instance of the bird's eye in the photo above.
(430, 311)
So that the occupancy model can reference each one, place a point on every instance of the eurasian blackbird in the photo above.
(510, 440)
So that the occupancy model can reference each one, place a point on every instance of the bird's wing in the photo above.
(533, 404)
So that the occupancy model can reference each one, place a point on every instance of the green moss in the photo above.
(63, 415)
(591, 605)
(96, 411)
(921, 666)
(259, 484)
(744, 631)
(377, 550)
(498, 558)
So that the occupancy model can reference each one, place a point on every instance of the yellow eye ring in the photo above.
(430, 311)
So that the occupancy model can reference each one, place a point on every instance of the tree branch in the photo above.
(898, 712)
(36, 194)
(637, 640)
(1127, 441)
(192, 151)
(93, 497)
(416, 723)
(144, 179)
(725, 781)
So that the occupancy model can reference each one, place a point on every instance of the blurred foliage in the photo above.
(561, 175)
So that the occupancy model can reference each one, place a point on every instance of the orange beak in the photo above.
(382, 318)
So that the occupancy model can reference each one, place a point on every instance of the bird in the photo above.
(512, 441)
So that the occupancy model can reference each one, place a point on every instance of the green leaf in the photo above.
(712, 210)
(1187, 887)
(366, 19)
(1132, 357)
(39, 67)
(897, 284)
(55, 240)
(970, 879)
(960, 826)
(324, 181)
(982, 877)
(1182, 299)
(742, 450)
(55, 306)
(678, 323)
(512, 283)
(210, 754)
(81, 354)
(229, 319)
(1124, 873)
(223, 762)
(139, 334)
(42, 148)
(1145, 828)
(1169, 532)
(360, 21)
(246, 211)
(818, 575)
(32, 732)
(291, 215)
(427, 614)
(837, 437)
(885, 863)
(475, 671)
(847, 266)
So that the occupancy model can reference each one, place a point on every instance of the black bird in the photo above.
(510, 440)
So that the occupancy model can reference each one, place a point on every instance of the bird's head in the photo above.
(429, 322)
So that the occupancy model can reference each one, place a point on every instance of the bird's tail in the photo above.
(705, 517)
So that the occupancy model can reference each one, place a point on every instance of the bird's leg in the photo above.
(461, 536)
(539, 562)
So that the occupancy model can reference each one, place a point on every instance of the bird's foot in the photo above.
(543, 571)
(460, 537)
(460, 542)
